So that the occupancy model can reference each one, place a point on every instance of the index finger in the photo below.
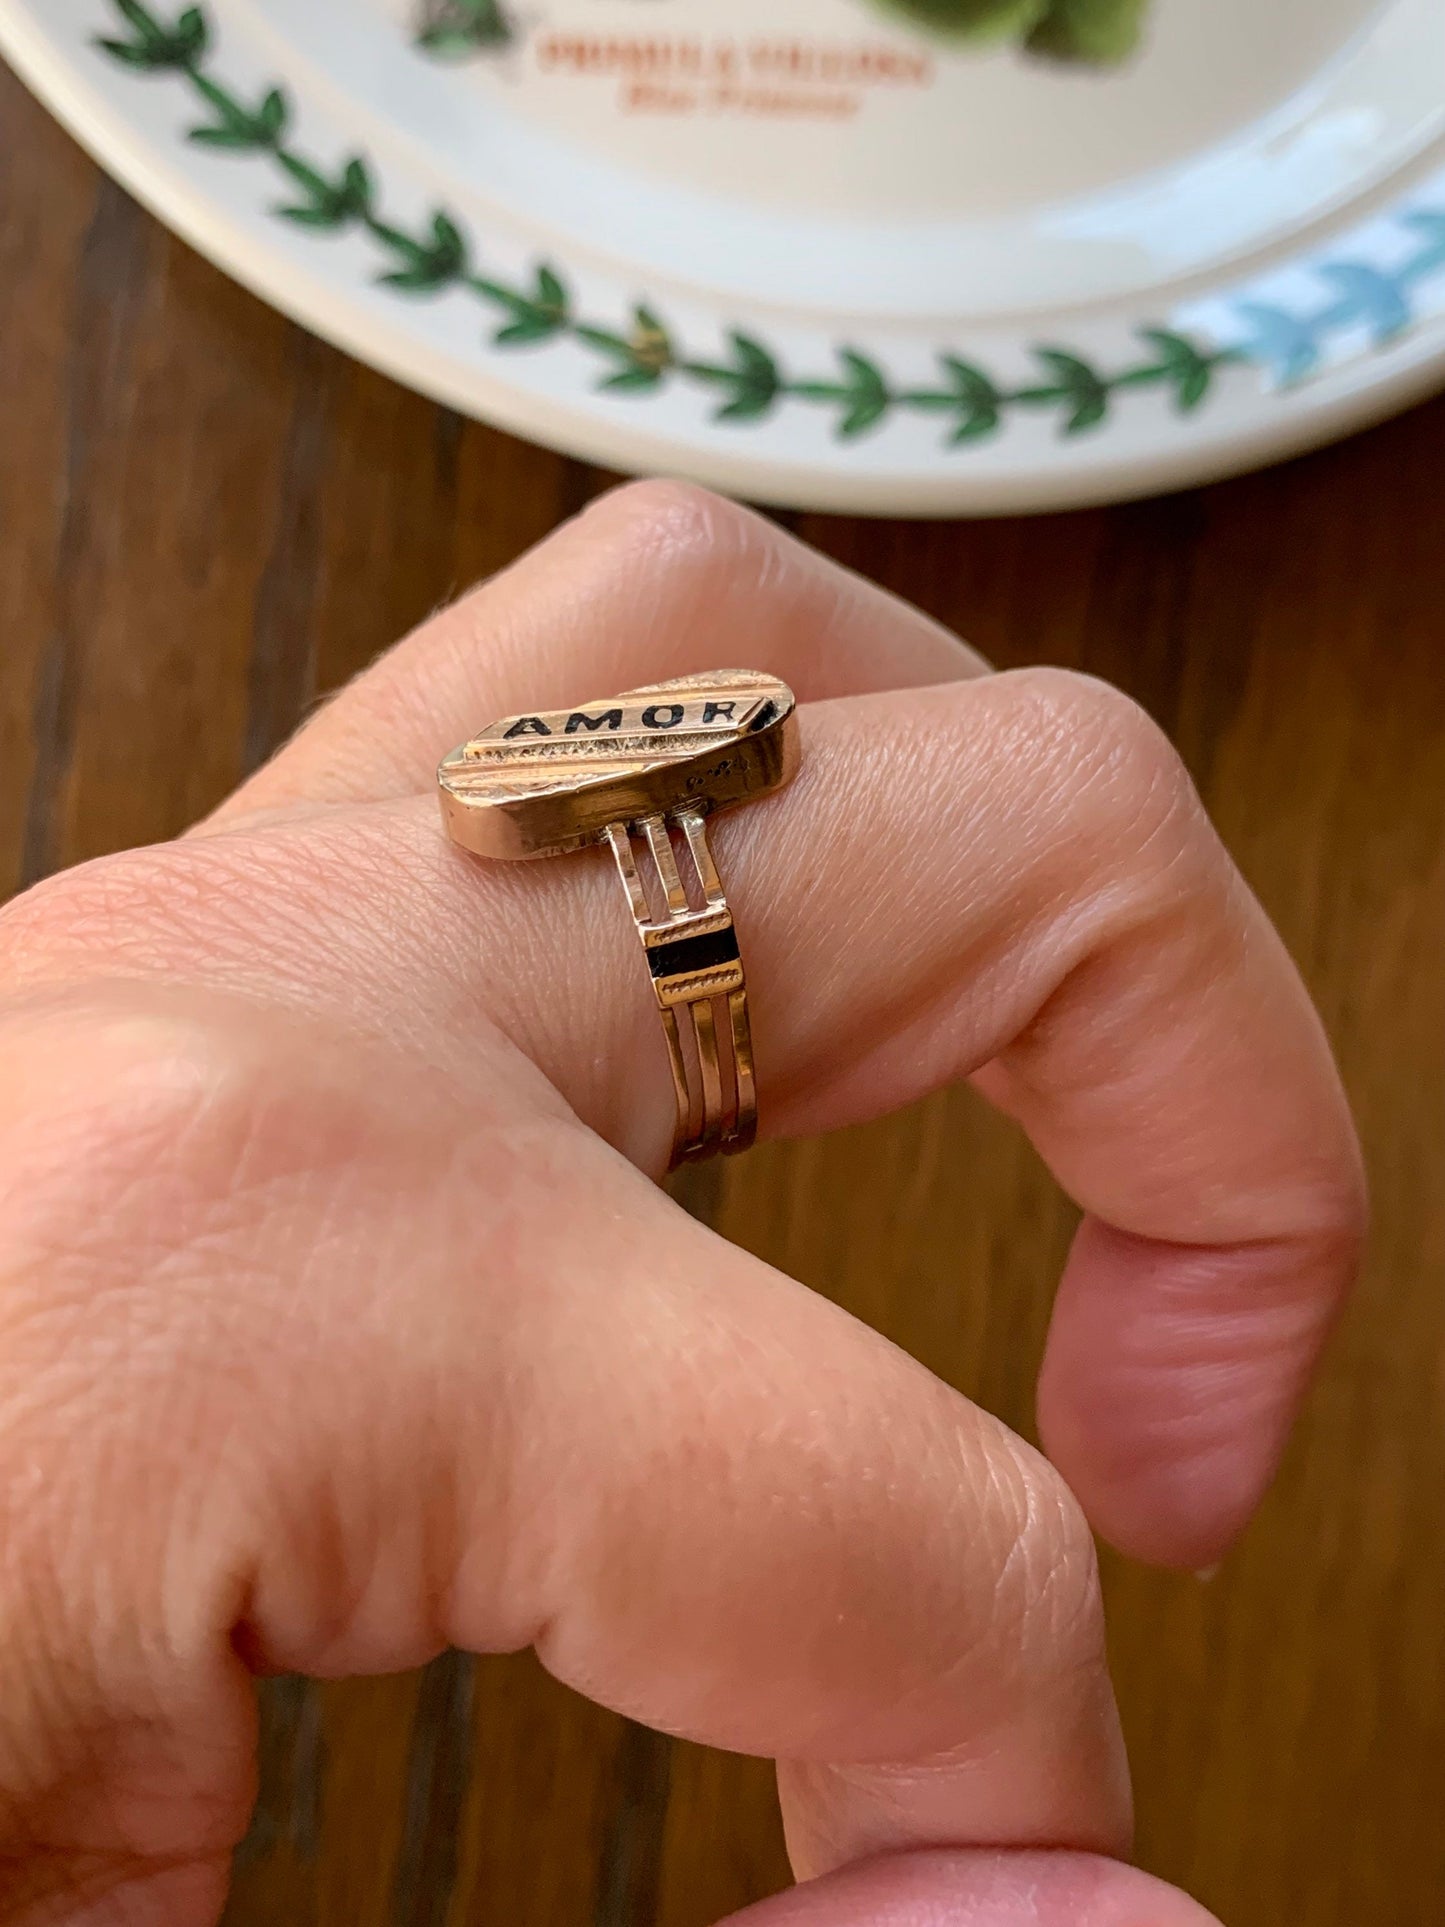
(653, 580)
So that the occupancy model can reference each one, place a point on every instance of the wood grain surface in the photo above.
(208, 519)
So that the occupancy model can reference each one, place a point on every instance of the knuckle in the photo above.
(32, 926)
(106, 1098)
(1131, 793)
(109, 1379)
(676, 530)
(1048, 1599)
(107, 1125)
(80, 914)
(1335, 1242)
(1115, 738)
(172, 913)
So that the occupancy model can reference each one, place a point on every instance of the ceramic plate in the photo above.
(908, 256)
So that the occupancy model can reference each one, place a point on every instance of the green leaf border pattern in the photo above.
(458, 29)
(749, 382)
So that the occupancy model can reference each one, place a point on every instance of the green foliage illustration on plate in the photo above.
(453, 29)
(1101, 32)
(640, 353)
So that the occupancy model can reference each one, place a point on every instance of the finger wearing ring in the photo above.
(636, 771)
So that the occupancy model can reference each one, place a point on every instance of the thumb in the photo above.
(980, 1888)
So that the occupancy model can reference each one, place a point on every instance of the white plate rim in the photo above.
(1361, 388)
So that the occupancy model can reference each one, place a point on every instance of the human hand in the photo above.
(340, 1320)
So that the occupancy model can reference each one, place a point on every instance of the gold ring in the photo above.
(642, 772)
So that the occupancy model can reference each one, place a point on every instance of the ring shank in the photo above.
(697, 975)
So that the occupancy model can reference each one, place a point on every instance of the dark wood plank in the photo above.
(329, 1838)
(439, 1768)
(723, 1844)
(544, 1790)
(47, 212)
(167, 476)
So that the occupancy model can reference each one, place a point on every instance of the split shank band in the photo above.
(642, 772)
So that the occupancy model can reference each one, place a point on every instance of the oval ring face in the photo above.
(540, 784)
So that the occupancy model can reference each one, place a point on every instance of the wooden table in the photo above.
(208, 518)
